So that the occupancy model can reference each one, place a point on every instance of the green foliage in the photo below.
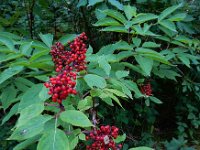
(137, 43)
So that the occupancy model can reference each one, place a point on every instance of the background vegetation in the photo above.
(131, 43)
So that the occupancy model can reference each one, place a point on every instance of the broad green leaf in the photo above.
(30, 112)
(123, 55)
(120, 138)
(115, 14)
(26, 143)
(136, 41)
(141, 148)
(47, 39)
(94, 2)
(130, 11)
(10, 56)
(168, 24)
(26, 49)
(67, 38)
(76, 118)
(93, 80)
(133, 67)
(152, 54)
(184, 59)
(82, 3)
(178, 17)
(155, 100)
(8, 96)
(141, 18)
(112, 96)
(8, 73)
(168, 12)
(54, 140)
(12, 112)
(116, 92)
(38, 55)
(103, 63)
(24, 81)
(73, 142)
(121, 74)
(116, 3)
(146, 64)
(85, 104)
(107, 22)
(121, 29)
(133, 87)
(10, 35)
(35, 94)
(7, 42)
(150, 44)
(30, 129)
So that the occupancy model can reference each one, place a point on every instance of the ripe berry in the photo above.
(68, 61)
(146, 89)
(102, 139)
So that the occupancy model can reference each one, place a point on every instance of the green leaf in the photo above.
(30, 129)
(152, 54)
(93, 80)
(150, 44)
(47, 39)
(178, 17)
(121, 29)
(136, 41)
(54, 140)
(121, 74)
(8, 96)
(115, 14)
(168, 12)
(107, 22)
(85, 104)
(8, 73)
(115, 92)
(38, 55)
(116, 3)
(24, 81)
(30, 112)
(130, 11)
(26, 49)
(67, 38)
(7, 42)
(35, 94)
(184, 59)
(12, 111)
(94, 2)
(141, 148)
(146, 64)
(155, 100)
(76, 118)
(73, 142)
(10, 56)
(168, 24)
(26, 143)
(82, 3)
(141, 18)
(120, 138)
(133, 87)
(103, 63)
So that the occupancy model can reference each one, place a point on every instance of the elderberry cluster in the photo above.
(146, 89)
(68, 61)
(102, 139)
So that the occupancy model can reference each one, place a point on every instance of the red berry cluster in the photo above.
(102, 139)
(68, 61)
(146, 89)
